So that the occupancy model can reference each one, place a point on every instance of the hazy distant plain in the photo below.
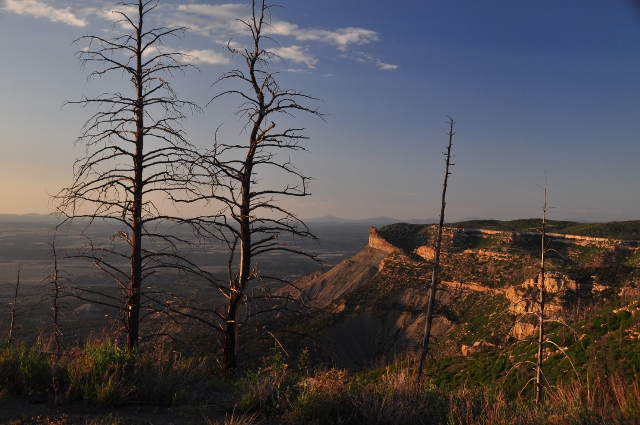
(25, 246)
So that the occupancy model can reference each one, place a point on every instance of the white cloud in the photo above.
(194, 56)
(283, 28)
(212, 20)
(120, 9)
(297, 71)
(366, 58)
(225, 11)
(206, 56)
(42, 10)
(220, 23)
(116, 14)
(296, 54)
(341, 37)
(386, 66)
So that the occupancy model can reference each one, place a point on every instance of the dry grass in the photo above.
(102, 374)
(397, 397)
(234, 419)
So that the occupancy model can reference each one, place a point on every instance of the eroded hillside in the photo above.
(370, 306)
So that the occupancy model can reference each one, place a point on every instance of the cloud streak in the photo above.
(194, 56)
(211, 20)
(366, 58)
(223, 22)
(340, 38)
(208, 57)
(220, 23)
(40, 9)
(296, 54)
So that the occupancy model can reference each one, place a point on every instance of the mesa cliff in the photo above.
(372, 305)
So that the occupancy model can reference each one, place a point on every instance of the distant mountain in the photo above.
(375, 221)
(28, 218)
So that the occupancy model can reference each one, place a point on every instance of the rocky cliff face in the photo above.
(372, 304)
(378, 242)
(321, 289)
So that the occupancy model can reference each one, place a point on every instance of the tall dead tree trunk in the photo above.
(14, 308)
(115, 181)
(248, 218)
(55, 293)
(542, 300)
(238, 285)
(55, 298)
(132, 312)
(436, 259)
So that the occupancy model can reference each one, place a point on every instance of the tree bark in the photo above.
(436, 260)
(541, 333)
(135, 280)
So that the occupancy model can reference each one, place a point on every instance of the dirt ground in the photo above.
(22, 411)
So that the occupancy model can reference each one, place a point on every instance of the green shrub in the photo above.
(102, 375)
(25, 370)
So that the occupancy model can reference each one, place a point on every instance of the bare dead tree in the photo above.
(15, 310)
(56, 292)
(56, 295)
(248, 218)
(134, 143)
(542, 300)
(535, 304)
(436, 260)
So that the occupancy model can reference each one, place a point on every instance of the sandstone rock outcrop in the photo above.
(522, 330)
(426, 252)
(553, 283)
(468, 350)
(378, 242)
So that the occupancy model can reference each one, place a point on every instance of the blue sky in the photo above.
(532, 86)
